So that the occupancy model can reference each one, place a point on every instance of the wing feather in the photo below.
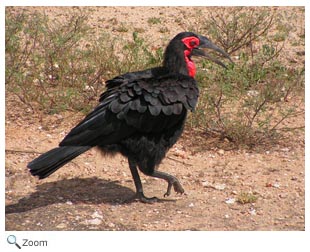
(135, 104)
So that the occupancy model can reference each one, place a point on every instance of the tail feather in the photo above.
(49, 162)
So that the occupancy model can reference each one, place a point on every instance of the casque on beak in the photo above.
(206, 43)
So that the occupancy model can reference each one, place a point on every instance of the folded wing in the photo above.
(133, 105)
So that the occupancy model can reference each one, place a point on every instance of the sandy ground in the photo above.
(92, 192)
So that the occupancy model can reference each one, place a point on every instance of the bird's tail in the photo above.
(49, 162)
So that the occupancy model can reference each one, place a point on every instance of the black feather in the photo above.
(155, 110)
(51, 161)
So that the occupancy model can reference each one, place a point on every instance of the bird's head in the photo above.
(179, 52)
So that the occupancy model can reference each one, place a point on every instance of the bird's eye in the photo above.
(193, 43)
(190, 42)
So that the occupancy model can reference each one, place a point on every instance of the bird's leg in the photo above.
(136, 178)
(172, 181)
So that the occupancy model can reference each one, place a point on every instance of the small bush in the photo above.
(246, 198)
(248, 102)
(154, 20)
(55, 66)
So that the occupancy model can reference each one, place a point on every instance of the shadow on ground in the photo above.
(77, 190)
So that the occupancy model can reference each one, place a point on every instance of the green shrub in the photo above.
(247, 103)
(55, 66)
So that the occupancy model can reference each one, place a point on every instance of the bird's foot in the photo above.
(140, 196)
(176, 186)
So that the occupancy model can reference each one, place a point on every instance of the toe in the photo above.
(143, 199)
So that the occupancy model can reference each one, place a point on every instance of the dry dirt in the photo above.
(92, 192)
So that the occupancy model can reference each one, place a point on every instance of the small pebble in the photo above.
(97, 215)
(111, 225)
(61, 225)
(230, 201)
(95, 221)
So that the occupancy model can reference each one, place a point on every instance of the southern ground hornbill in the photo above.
(140, 115)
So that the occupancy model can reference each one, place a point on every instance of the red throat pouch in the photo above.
(190, 64)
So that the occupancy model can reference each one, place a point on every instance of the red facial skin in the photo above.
(190, 43)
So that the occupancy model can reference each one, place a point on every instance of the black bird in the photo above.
(140, 115)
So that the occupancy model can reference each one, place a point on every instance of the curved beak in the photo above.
(206, 43)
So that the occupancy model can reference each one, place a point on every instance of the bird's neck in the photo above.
(181, 63)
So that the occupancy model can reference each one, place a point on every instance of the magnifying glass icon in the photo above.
(12, 240)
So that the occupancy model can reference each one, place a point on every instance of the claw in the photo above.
(168, 190)
(140, 196)
(176, 186)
